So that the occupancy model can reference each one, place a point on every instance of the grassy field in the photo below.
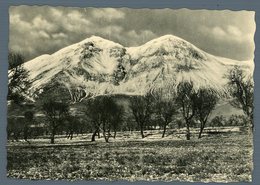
(218, 158)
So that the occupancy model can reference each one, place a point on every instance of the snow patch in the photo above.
(168, 60)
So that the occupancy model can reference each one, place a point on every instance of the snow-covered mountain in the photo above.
(96, 66)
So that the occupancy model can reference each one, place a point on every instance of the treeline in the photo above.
(103, 115)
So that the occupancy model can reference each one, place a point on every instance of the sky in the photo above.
(37, 30)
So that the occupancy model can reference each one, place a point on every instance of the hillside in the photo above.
(96, 66)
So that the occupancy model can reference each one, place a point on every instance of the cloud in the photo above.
(75, 22)
(228, 33)
(18, 25)
(42, 24)
(59, 36)
(110, 30)
(36, 30)
(233, 30)
(55, 12)
(218, 32)
(75, 15)
(135, 37)
(43, 34)
(48, 30)
(215, 32)
(108, 14)
(14, 18)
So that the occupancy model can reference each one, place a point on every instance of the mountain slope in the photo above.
(96, 66)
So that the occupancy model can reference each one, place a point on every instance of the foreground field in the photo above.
(220, 158)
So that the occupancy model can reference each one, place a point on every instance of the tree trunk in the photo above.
(202, 126)
(188, 130)
(106, 139)
(142, 132)
(52, 135)
(142, 129)
(98, 132)
(201, 130)
(52, 139)
(25, 134)
(94, 135)
(106, 136)
(114, 134)
(164, 130)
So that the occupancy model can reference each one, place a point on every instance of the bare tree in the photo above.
(29, 116)
(205, 102)
(109, 109)
(93, 111)
(56, 113)
(105, 114)
(141, 107)
(72, 126)
(18, 81)
(241, 87)
(15, 128)
(165, 107)
(117, 118)
(185, 99)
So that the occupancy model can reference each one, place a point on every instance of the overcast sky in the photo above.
(37, 30)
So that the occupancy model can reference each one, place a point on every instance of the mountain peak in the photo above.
(168, 45)
(171, 41)
(101, 42)
(168, 38)
(97, 66)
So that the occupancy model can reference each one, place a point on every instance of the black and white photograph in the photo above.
(108, 94)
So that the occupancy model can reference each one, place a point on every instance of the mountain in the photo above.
(96, 66)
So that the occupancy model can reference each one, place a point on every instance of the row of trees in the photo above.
(233, 120)
(194, 104)
(190, 103)
(14, 130)
(106, 115)
(31, 127)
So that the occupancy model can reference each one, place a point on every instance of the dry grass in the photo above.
(218, 158)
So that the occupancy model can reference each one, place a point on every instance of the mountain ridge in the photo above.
(98, 66)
